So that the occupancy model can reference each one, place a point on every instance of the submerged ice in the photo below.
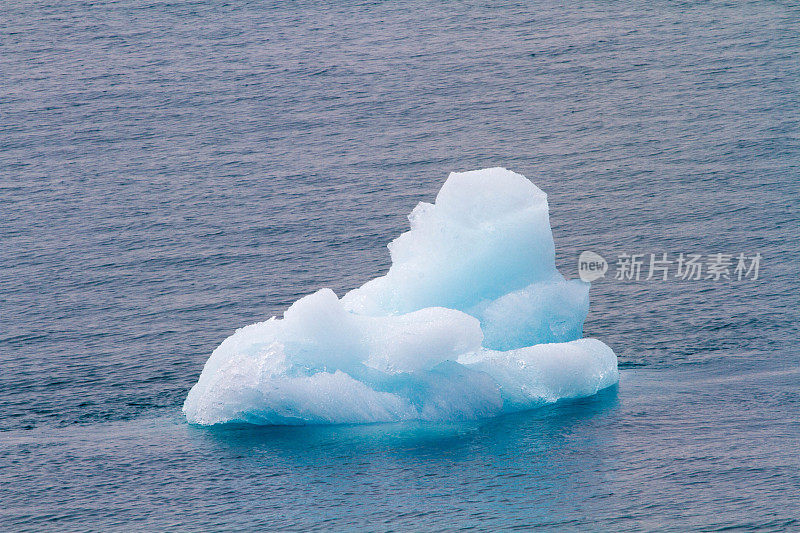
(471, 320)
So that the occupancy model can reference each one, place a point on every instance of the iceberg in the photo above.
(471, 320)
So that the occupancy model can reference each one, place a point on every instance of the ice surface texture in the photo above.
(471, 320)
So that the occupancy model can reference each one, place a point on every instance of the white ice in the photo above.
(471, 320)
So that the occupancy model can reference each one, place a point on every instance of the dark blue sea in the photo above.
(173, 170)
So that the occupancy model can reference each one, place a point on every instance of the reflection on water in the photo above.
(544, 425)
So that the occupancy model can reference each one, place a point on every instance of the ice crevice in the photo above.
(472, 320)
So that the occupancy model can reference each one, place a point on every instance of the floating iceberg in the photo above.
(471, 320)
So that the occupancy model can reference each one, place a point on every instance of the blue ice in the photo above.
(472, 320)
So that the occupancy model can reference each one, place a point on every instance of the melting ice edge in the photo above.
(472, 320)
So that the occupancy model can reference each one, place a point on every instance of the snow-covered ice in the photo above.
(471, 320)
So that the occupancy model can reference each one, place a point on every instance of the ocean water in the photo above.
(173, 170)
